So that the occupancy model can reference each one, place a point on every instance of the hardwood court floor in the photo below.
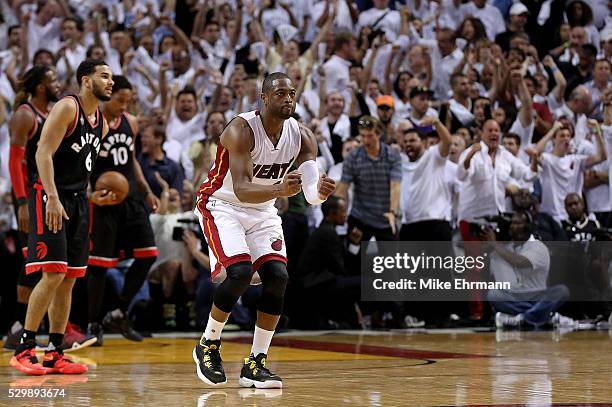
(441, 368)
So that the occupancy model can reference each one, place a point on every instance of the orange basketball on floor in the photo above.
(116, 182)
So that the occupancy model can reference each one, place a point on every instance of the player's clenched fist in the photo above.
(292, 184)
(326, 186)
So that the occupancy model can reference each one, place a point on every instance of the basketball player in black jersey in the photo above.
(123, 226)
(59, 214)
(39, 87)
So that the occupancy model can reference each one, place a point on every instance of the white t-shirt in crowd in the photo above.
(425, 192)
(598, 198)
(560, 176)
(390, 23)
(523, 279)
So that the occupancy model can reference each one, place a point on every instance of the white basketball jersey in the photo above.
(270, 164)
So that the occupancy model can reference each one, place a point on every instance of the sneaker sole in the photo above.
(78, 346)
(59, 371)
(200, 374)
(32, 372)
(269, 384)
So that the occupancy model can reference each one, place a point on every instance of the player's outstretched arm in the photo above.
(60, 118)
(238, 141)
(317, 187)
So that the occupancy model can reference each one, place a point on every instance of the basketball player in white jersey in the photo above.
(237, 214)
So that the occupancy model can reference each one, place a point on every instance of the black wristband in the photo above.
(22, 201)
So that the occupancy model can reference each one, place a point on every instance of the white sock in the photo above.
(213, 330)
(261, 341)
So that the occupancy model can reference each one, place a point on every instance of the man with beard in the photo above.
(237, 214)
(39, 88)
(59, 215)
(425, 194)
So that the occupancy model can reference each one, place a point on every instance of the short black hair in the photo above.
(269, 80)
(91, 48)
(42, 51)
(159, 132)
(513, 136)
(121, 82)
(590, 49)
(87, 68)
(187, 90)
(330, 205)
(11, 28)
(77, 21)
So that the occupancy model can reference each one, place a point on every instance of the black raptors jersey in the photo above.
(116, 152)
(76, 155)
(32, 144)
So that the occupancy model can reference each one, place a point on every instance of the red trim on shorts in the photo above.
(215, 180)
(217, 173)
(102, 261)
(145, 253)
(47, 267)
(229, 261)
(24, 251)
(39, 210)
(76, 272)
(268, 257)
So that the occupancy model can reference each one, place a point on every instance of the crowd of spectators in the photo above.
(433, 116)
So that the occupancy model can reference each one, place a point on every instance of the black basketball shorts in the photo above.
(120, 231)
(67, 250)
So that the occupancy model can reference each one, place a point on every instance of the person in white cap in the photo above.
(516, 24)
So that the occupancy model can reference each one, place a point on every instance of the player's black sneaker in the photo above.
(255, 374)
(95, 329)
(121, 324)
(209, 365)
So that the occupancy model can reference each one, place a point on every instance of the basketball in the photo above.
(114, 181)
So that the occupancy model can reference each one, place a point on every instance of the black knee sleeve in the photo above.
(235, 284)
(274, 279)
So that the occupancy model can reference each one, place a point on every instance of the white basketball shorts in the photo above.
(236, 234)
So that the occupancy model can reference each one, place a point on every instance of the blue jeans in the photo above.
(535, 306)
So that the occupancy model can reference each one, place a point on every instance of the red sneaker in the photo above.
(74, 339)
(27, 362)
(56, 362)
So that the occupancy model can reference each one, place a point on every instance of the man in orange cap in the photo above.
(386, 111)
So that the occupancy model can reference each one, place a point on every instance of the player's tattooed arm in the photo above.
(61, 117)
(238, 140)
